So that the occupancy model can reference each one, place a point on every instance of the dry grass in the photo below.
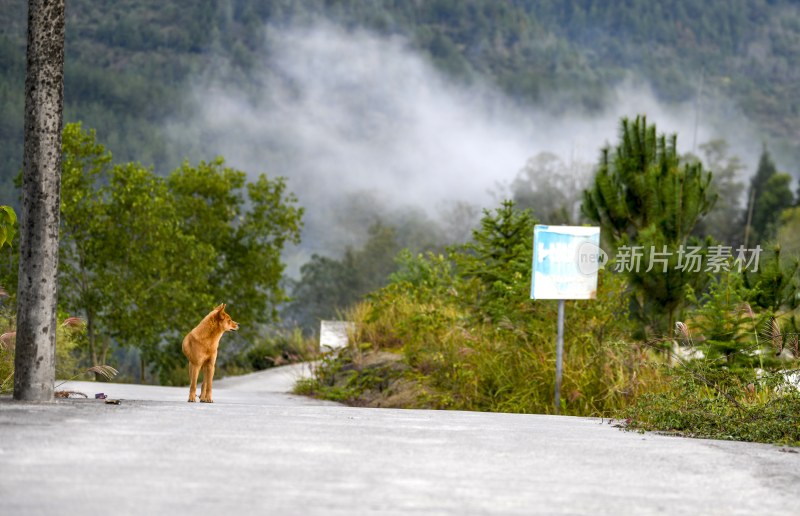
(106, 371)
(69, 394)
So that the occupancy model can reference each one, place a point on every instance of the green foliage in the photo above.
(245, 245)
(496, 263)
(459, 351)
(456, 362)
(328, 286)
(473, 340)
(426, 277)
(769, 195)
(642, 184)
(69, 334)
(124, 263)
(144, 258)
(344, 376)
(273, 349)
(770, 204)
(643, 195)
(9, 262)
(702, 401)
(788, 237)
(727, 323)
(7, 341)
(776, 284)
(736, 377)
(8, 222)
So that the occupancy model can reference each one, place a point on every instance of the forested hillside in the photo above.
(129, 62)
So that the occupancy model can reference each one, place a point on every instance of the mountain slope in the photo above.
(130, 63)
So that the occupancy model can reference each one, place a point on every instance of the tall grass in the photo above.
(460, 360)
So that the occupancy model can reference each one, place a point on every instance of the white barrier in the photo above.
(335, 334)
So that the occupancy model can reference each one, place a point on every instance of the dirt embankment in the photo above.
(369, 379)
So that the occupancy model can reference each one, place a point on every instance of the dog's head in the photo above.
(225, 320)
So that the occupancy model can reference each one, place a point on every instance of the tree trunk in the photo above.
(34, 363)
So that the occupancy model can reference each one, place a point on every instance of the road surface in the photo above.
(259, 450)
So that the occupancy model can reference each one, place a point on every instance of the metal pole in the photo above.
(559, 354)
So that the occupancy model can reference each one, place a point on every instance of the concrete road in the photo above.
(258, 450)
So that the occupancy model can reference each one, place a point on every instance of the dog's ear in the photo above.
(219, 307)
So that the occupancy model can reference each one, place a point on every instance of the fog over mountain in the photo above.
(351, 117)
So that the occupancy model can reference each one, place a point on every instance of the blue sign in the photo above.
(565, 262)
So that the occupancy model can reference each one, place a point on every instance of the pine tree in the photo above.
(498, 259)
(769, 195)
(643, 195)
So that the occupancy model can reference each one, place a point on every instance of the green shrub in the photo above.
(464, 354)
(736, 390)
(716, 404)
(69, 332)
(275, 349)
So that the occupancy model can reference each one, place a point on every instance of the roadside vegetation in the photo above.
(707, 353)
(142, 258)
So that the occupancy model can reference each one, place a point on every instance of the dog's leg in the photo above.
(208, 378)
(204, 387)
(194, 371)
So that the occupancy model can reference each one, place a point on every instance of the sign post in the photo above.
(559, 354)
(565, 264)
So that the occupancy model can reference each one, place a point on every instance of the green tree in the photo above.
(246, 243)
(126, 265)
(155, 275)
(498, 259)
(788, 236)
(776, 284)
(145, 257)
(725, 322)
(766, 169)
(9, 257)
(769, 195)
(328, 286)
(644, 197)
(83, 227)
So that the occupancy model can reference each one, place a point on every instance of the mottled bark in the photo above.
(34, 364)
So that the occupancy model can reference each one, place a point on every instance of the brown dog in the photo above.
(200, 347)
